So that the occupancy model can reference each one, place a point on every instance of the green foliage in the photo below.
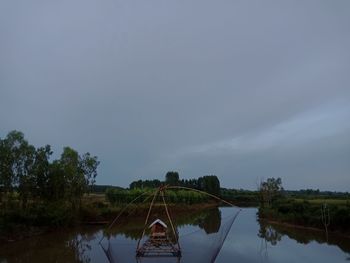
(145, 184)
(307, 214)
(270, 190)
(102, 188)
(42, 214)
(185, 197)
(210, 184)
(317, 195)
(124, 196)
(88, 165)
(17, 158)
(242, 197)
(28, 180)
(41, 172)
(172, 178)
(73, 176)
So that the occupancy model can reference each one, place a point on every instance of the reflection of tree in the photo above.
(270, 234)
(61, 246)
(263, 250)
(211, 222)
(80, 245)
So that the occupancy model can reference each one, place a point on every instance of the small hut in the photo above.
(158, 244)
(158, 229)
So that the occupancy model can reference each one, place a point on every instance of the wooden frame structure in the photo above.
(159, 246)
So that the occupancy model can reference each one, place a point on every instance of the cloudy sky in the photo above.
(241, 89)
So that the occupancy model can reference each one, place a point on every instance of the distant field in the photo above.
(324, 201)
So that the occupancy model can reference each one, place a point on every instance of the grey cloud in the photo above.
(139, 82)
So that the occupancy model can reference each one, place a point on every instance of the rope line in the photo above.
(199, 191)
(148, 214)
(171, 221)
(120, 213)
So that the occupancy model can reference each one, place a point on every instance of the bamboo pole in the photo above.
(148, 214)
(120, 213)
(170, 220)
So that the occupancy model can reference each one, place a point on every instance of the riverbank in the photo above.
(335, 216)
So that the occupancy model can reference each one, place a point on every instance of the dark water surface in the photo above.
(200, 234)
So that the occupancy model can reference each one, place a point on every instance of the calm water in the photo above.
(200, 234)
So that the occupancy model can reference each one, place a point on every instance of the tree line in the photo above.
(28, 174)
(208, 183)
(123, 196)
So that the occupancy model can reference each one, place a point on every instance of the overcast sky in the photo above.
(245, 90)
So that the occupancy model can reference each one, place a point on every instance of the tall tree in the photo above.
(172, 178)
(26, 179)
(41, 171)
(6, 174)
(29, 171)
(79, 174)
(269, 190)
(56, 183)
(210, 184)
(74, 176)
(88, 165)
(17, 159)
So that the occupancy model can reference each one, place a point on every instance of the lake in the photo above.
(200, 235)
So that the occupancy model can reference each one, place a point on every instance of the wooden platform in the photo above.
(158, 247)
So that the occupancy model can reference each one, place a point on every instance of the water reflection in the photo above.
(209, 220)
(58, 246)
(246, 243)
(272, 233)
(80, 245)
(196, 230)
(249, 241)
(269, 234)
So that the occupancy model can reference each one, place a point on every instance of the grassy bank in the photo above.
(308, 213)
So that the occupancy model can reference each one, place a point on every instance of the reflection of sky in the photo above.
(243, 245)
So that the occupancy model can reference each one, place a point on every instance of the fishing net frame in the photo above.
(150, 249)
